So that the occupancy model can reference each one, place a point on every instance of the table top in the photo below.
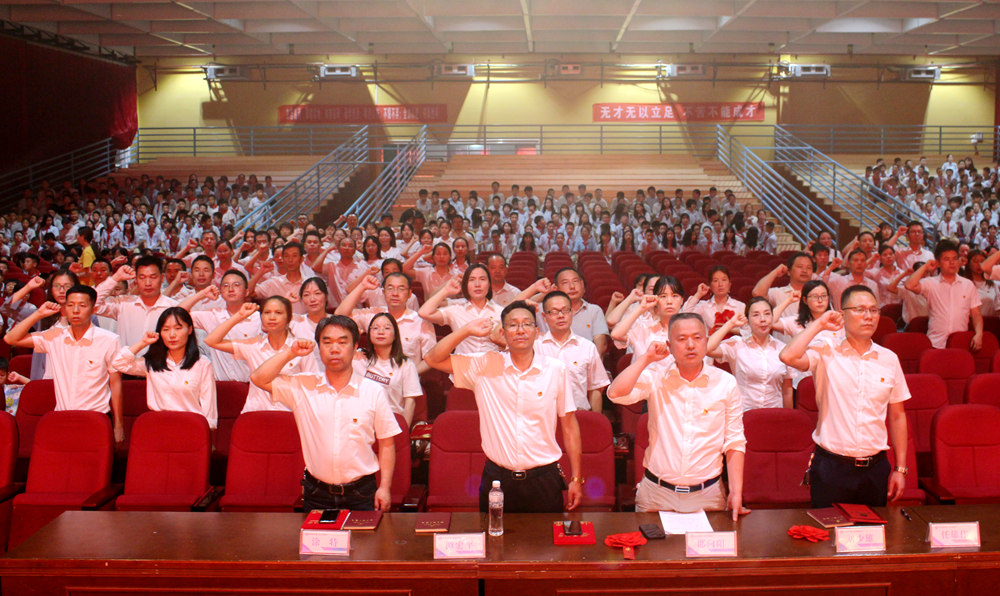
(166, 539)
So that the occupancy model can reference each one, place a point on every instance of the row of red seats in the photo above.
(167, 469)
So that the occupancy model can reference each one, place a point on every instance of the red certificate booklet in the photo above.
(860, 514)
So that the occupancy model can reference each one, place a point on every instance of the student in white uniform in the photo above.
(476, 289)
(388, 366)
(178, 378)
(275, 316)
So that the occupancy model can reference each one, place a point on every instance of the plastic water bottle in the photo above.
(496, 509)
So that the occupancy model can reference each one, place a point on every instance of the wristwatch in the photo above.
(901, 469)
(579, 479)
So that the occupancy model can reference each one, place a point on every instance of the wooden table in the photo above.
(235, 553)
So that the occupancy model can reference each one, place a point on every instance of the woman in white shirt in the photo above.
(637, 332)
(387, 365)
(476, 289)
(764, 381)
(178, 378)
(987, 288)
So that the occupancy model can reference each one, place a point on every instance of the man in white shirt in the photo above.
(695, 419)
(583, 364)
(136, 314)
(857, 383)
(520, 395)
(503, 292)
(79, 356)
(951, 298)
(283, 285)
(799, 269)
(340, 415)
(917, 251)
(588, 319)
(857, 261)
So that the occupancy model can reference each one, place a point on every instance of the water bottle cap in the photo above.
(496, 484)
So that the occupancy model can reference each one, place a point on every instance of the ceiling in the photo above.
(154, 28)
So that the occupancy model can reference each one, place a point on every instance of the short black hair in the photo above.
(685, 316)
(204, 259)
(149, 261)
(82, 289)
(943, 247)
(515, 305)
(852, 290)
(237, 273)
(554, 294)
(338, 321)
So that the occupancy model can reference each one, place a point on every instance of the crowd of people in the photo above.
(189, 300)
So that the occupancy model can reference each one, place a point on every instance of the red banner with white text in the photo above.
(363, 114)
(733, 111)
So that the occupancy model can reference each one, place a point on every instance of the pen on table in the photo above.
(905, 514)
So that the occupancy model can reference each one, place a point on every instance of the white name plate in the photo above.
(860, 539)
(325, 542)
(711, 544)
(953, 535)
(460, 546)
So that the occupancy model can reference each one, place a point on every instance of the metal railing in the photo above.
(196, 141)
(91, 161)
(799, 215)
(305, 193)
(391, 181)
(866, 204)
(904, 140)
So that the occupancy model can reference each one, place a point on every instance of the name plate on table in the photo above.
(953, 535)
(325, 542)
(860, 539)
(711, 544)
(460, 546)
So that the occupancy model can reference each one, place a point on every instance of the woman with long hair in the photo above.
(313, 294)
(637, 332)
(275, 317)
(987, 288)
(813, 301)
(720, 306)
(387, 365)
(178, 378)
(460, 252)
(628, 241)
(371, 252)
(432, 278)
(476, 289)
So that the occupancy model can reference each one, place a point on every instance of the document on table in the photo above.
(682, 523)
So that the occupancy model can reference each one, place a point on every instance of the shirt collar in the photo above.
(509, 367)
(847, 349)
(674, 378)
(352, 387)
(548, 337)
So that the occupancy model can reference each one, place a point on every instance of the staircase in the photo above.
(848, 227)
(282, 168)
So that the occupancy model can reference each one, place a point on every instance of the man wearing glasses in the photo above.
(583, 364)
(857, 382)
(520, 395)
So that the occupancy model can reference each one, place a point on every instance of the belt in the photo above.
(524, 474)
(857, 462)
(335, 489)
(682, 489)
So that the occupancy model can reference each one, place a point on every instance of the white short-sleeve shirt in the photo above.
(175, 389)
(759, 372)
(256, 351)
(583, 365)
(463, 312)
(79, 369)
(400, 382)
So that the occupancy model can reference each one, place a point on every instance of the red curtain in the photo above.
(56, 101)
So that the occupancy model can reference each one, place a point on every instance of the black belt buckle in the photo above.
(519, 474)
(336, 489)
(863, 462)
(682, 489)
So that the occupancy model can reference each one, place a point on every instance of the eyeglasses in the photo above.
(559, 312)
(818, 297)
(862, 311)
(525, 326)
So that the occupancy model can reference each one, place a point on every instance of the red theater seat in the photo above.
(401, 474)
(230, 397)
(908, 347)
(8, 460)
(983, 389)
(460, 399)
(265, 464)
(70, 469)
(597, 461)
(928, 394)
(966, 441)
(456, 462)
(167, 463)
(805, 398)
(983, 357)
(38, 398)
(953, 365)
(779, 443)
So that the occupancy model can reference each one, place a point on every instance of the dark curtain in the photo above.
(55, 101)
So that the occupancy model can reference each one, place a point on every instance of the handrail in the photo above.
(90, 161)
(910, 140)
(195, 141)
(863, 202)
(800, 216)
(304, 194)
(391, 181)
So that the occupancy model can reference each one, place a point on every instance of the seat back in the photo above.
(230, 397)
(597, 462)
(912, 493)
(805, 398)
(966, 441)
(265, 463)
(21, 364)
(953, 365)
(8, 449)
(460, 399)
(402, 472)
(983, 389)
(72, 453)
(983, 357)
(779, 442)
(134, 404)
(456, 462)
(928, 394)
(884, 328)
(37, 399)
(169, 454)
(908, 347)
(640, 446)
(917, 325)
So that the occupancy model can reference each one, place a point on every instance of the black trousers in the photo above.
(833, 480)
(538, 490)
(357, 496)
